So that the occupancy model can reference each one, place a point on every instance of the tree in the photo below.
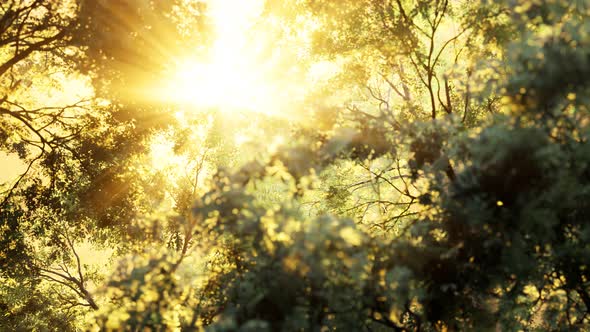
(440, 183)
(494, 242)
(78, 185)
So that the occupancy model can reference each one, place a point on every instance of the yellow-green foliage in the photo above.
(417, 166)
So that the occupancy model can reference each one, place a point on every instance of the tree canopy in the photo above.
(310, 165)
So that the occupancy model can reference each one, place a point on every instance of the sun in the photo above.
(230, 77)
(224, 84)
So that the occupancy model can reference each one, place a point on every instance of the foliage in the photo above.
(440, 181)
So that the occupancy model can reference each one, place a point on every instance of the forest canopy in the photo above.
(309, 165)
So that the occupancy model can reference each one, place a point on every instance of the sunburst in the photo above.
(229, 77)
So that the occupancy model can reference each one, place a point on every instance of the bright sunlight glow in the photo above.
(230, 78)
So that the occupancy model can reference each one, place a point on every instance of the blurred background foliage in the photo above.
(419, 165)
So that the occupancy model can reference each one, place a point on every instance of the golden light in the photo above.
(217, 84)
(247, 68)
(229, 78)
(162, 154)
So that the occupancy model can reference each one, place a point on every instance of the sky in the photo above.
(10, 167)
